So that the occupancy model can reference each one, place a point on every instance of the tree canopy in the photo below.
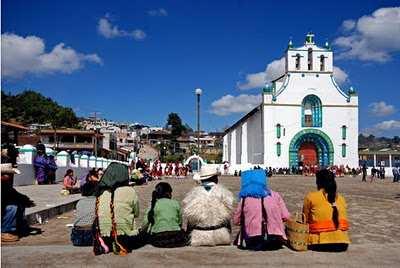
(32, 107)
(174, 122)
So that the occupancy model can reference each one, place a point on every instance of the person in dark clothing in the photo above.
(91, 185)
(51, 169)
(364, 172)
(13, 203)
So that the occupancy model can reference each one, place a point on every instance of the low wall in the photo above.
(27, 176)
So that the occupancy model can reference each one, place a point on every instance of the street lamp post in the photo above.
(198, 92)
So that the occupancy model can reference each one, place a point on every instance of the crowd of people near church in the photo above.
(107, 219)
(156, 170)
(308, 170)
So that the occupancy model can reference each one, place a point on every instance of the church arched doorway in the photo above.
(308, 154)
(311, 147)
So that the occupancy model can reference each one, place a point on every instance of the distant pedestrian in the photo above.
(40, 163)
(396, 174)
(364, 172)
(382, 173)
(373, 173)
(51, 169)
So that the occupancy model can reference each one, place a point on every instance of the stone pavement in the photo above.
(49, 202)
(373, 209)
(367, 255)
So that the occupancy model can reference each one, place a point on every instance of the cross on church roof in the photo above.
(310, 38)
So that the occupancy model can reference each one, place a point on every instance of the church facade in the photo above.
(305, 118)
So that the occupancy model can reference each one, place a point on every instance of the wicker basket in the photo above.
(297, 232)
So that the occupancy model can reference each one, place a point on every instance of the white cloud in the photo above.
(26, 55)
(372, 37)
(229, 104)
(348, 25)
(274, 70)
(256, 80)
(160, 12)
(383, 127)
(339, 75)
(381, 108)
(106, 29)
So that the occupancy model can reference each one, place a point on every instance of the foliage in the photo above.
(173, 158)
(174, 122)
(32, 107)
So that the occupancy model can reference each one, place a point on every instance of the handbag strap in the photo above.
(242, 223)
(264, 220)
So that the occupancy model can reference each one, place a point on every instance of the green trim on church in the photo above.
(320, 139)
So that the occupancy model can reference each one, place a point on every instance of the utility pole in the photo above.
(198, 92)
(95, 132)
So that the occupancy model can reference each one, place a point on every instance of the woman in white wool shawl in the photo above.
(207, 209)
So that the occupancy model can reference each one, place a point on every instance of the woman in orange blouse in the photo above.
(326, 214)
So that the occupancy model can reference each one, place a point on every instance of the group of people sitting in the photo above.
(108, 219)
(87, 185)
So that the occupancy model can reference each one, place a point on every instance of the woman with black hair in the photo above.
(89, 188)
(326, 214)
(163, 219)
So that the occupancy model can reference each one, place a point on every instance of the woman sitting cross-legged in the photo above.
(117, 208)
(260, 214)
(326, 214)
(163, 219)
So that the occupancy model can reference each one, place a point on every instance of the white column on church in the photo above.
(244, 158)
(225, 156)
(233, 147)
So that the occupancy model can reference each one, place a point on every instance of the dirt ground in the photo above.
(373, 210)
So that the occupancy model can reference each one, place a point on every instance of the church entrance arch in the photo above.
(308, 153)
(312, 147)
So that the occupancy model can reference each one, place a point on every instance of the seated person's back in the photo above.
(326, 214)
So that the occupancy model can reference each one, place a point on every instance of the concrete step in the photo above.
(49, 202)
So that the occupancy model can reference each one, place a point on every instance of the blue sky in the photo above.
(139, 60)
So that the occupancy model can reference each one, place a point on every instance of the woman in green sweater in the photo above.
(164, 219)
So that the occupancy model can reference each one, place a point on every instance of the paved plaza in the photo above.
(373, 209)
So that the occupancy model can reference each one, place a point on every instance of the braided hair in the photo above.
(162, 190)
(326, 181)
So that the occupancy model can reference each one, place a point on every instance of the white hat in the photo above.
(206, 172)
(9, 169)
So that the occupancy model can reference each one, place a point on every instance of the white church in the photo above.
(304, 118)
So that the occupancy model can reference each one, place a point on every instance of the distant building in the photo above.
(304, 117)
(376, 158)
(72, 139)
(11, 132)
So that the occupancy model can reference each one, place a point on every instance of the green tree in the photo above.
(32, 107)
(174, 122)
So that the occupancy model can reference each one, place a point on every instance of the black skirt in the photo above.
(170, 239)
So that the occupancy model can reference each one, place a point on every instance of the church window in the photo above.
(311, 111)
(297, 61)
(310, 59)
(322, 63)
(278, 149)
(278, 131)
(344, 132)
(343, 150)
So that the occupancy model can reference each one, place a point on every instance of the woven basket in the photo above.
(297, 232)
